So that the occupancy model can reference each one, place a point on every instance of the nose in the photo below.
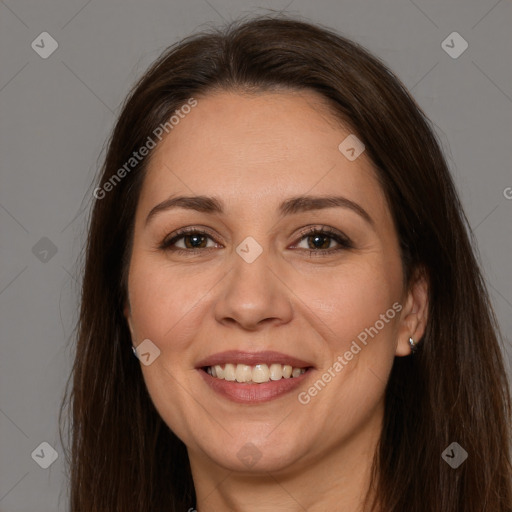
(254, 294)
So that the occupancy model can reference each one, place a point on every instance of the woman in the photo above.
(277, 239)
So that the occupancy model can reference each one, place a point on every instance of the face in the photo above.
(260, 283)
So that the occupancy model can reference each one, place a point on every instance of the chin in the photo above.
(259, 455)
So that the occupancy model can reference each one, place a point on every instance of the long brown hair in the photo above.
(454, 389)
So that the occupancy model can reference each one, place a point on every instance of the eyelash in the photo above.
(342, 240)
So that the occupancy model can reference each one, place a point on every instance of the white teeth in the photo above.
(229, 372)
(287, 371)
(276, 371)
(243, 373)
(258, 373)
(296, 372)
(219, 371)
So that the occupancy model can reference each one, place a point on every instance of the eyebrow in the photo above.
(293, 205)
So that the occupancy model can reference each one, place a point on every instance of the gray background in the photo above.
(56, 114)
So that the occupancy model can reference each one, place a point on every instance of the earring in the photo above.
(413, 345)
(134, 350)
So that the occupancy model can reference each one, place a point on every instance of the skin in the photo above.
(253, 151)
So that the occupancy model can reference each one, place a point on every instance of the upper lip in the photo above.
(251, 358)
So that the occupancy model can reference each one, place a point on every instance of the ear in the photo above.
(413, 320)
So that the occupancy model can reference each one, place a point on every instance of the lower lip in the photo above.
(254, 393)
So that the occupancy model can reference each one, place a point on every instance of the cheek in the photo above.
(351, 298)
(167, 308)
(357, 310)
(164, 299)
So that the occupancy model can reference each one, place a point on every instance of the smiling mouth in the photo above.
(254, 374)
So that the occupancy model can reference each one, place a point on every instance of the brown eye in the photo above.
(318, 241)
(193, 240)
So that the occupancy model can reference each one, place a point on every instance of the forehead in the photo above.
(260, 147)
